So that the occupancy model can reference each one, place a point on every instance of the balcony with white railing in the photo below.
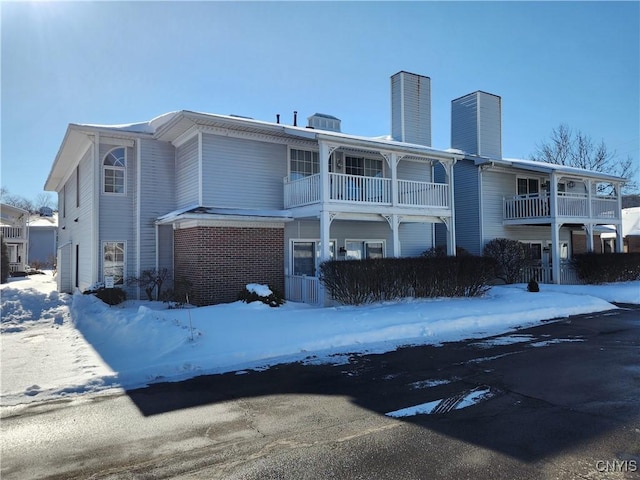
(358, 189)
(569, 205)
(13, 233)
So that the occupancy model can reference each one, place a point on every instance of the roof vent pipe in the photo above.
(295, 118)
(277, 118)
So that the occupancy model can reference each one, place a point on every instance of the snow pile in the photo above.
(55, 345)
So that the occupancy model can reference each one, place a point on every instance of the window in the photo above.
(63, 201)
(78, 186)
(359, 249)
(367, 167)
(306, 256)
(113, 261)
(114, 171)
(528, 186)
(303, 163)
(535, 252)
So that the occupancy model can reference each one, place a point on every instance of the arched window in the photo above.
(114, 171)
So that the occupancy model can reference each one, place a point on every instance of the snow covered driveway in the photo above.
(56, 345)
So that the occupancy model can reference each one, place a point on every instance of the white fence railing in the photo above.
(544, 274)
(569, 205)
(423, 193)
(302, 289)
(12, 232)
(361, 189)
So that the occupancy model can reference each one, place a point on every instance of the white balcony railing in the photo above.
(423, 193)
(569, 205)
(365, 190)
(357, 188)
(301, 191)
(16, 233)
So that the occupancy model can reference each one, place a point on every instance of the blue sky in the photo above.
(122, 62)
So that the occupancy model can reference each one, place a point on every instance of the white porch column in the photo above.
(451, 224)
(619, 232)
(323, 157)
(325, 250)
(395, 227)
(588, 229)
(393, 163)
(555, 228)
(555, 251)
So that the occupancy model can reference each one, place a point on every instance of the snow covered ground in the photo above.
(57, 345)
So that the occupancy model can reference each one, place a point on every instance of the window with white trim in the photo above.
(114, 171)
(113, 264)
(360, 249)
(528, 186)
(366, 167)
(303, 163)
(305, 256)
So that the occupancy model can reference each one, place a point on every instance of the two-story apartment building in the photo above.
(14, 230)
(223, 200)
(549, 207)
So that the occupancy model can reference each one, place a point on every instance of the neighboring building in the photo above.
(552, 208)
(14, 231)
(630, 231)
(224, 200)
(43, 238)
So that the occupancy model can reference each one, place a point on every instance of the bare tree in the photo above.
(16, 200)
(44, 200)
(576, 149)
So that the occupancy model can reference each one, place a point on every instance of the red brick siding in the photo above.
(220, 261)
(579, 243)
(633, 243)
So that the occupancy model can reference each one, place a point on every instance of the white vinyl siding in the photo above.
(412, 170)
(187, 174)
(240, 173)
(118, 212)
(157, 198)
(77, 199)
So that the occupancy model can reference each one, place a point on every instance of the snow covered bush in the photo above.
(596, 268)
(511, 258)
(255, 292)
(354, 282)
